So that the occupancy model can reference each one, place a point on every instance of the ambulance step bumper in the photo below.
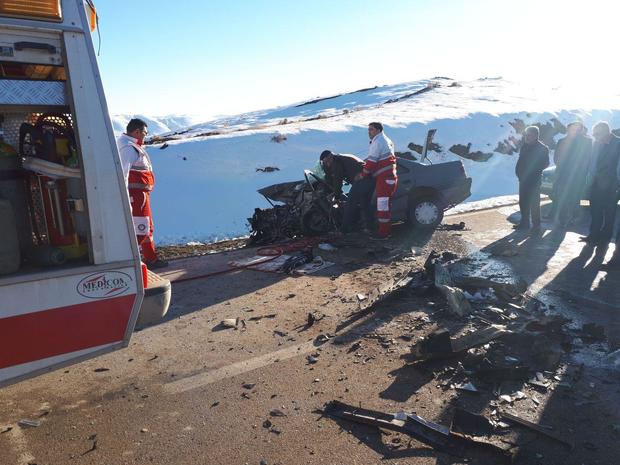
(156, 301)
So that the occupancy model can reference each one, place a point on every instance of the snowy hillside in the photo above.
(156, 124)
(207, 173)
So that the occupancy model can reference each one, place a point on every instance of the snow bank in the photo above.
(206, 185)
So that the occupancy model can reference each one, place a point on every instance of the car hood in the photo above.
(283, 192)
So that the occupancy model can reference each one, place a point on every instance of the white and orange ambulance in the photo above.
(71, 282)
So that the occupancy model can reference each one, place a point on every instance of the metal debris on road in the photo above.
(260, 317)
(230, 322)
(534, 427)
(313, 317)
(469, 387)
(428, 432)
(26, 423)
(477, 338)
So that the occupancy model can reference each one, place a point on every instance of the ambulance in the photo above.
(72, 285)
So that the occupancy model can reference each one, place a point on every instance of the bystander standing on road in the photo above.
(533, 159)
(614, 262)
(604, 181)
(571, 157)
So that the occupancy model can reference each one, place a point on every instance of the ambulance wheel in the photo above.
(425, 212)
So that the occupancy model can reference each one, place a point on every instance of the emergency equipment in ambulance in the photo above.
(72, 284)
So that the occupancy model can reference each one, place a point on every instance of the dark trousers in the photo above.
(358, 201)
(529, 202)
(603, 204)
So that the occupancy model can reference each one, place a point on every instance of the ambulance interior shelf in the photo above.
(41, 194)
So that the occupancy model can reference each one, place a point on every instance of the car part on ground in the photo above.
(433, 434)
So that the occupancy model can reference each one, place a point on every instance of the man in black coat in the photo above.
(604, 179)
(340, 168)
(533, 159)
(572, 157)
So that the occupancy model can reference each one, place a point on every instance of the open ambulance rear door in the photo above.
(71, 283)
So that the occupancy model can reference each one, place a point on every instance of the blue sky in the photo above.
(214, 57)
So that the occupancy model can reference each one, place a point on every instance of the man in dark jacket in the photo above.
(533, 159)
(340, 168)
(604, 178)
(571, 157)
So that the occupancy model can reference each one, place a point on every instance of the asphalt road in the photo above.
(185, 392)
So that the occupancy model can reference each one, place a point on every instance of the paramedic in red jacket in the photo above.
(381, 165)
(138, 172)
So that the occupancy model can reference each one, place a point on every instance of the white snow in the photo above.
(206, 185)
(156, 124)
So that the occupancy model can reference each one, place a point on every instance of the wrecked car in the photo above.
(309, 207)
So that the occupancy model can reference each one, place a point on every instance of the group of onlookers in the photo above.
(586, 168)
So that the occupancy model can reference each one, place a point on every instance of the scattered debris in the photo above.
(547, 324)
(144, 430)
(470, 423)
(163, 146)
(296, 260)
(26, 423)
(230, 323)
(534, 427)
(313, 317)
(278, 138)
(432, 434)
(101, 370)
(260, 317)
(248, 386)
(312, 359)
(437, 343)
(593, 332)
(469, 387)
(437, 346)
(6, 430)
(277, 413)
(451, 227)
(321, 339)
(93, 447)
(457, 302)
(498, 374)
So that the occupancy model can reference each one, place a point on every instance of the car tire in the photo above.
(425, 212)
(315, 222)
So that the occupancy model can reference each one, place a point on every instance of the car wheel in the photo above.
(315, 222)
(425, 212)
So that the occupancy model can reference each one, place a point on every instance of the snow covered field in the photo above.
(207, 174)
